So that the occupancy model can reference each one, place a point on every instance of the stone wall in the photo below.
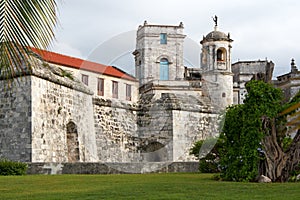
(170, 124)
(15, 119)
(52, 118)
(160, 129)
(189, 127)
(55, 108)
(115, 131)
(112, 168)
(155, 128)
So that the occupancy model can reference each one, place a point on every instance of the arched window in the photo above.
(221, 55)
(72, 142)
(164, 69)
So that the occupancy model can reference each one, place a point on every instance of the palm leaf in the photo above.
(22, 24)
(293, 114)
(290, 109)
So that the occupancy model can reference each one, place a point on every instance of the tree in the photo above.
(254, 133)
(24, 24)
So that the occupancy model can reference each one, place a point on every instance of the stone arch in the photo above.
(72, 142)
(154, 152)
(221, 54)
(158, 59)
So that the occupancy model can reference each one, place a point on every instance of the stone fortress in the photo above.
(66, 110)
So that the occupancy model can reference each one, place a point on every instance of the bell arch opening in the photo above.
(221, 55)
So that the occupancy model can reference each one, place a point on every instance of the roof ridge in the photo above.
(78, 63)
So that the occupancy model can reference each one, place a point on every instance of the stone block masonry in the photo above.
(111, 168)
(157, 129)
(57, 107)
(50, 118)
(115, 130)
(15, 120)
(46, 117)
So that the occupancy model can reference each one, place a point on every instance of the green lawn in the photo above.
(139, 186)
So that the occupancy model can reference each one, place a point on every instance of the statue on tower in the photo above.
(215, 18)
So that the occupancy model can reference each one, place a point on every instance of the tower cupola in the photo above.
(216, 66)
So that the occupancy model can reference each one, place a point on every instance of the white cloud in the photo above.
(66, 49)
(259, 28)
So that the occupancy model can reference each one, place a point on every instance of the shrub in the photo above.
(8, 168)
(209, 160)
(209, 164)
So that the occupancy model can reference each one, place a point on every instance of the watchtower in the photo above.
(159, 53)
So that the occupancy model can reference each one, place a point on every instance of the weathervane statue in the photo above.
(215, 18)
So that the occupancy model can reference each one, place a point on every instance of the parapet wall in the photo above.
(115, 131)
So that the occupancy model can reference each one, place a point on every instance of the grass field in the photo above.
(139, 186)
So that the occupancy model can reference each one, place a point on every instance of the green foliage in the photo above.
(195, 150)
(286, 142)
(243, 131)
(208, 156)
(8, 168)
(209, 164)
(24, 24)
(294, 175)
(68, 74)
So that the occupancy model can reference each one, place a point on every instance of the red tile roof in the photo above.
(81, 64)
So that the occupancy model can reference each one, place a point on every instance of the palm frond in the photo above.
(292, 112)
(23, 24)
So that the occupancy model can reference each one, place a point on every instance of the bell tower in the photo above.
(216, 67)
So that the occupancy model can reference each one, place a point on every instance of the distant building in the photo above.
(244, 71)
(290, 82)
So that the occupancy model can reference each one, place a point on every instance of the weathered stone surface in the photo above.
(149, 52)
(35, 111)
(15, 120)
(115, 128)
(55, 106)
(111, 168)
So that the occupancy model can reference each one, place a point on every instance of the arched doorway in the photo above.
(72, 142)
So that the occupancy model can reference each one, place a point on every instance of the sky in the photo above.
(104, 30)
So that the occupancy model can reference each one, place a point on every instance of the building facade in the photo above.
(68, 110)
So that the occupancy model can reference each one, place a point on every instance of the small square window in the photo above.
(163, 38)
(85, 79)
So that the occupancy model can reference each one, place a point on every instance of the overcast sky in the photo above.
(104, 30)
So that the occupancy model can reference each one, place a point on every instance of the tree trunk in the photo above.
(293, 155)
(278, 164)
